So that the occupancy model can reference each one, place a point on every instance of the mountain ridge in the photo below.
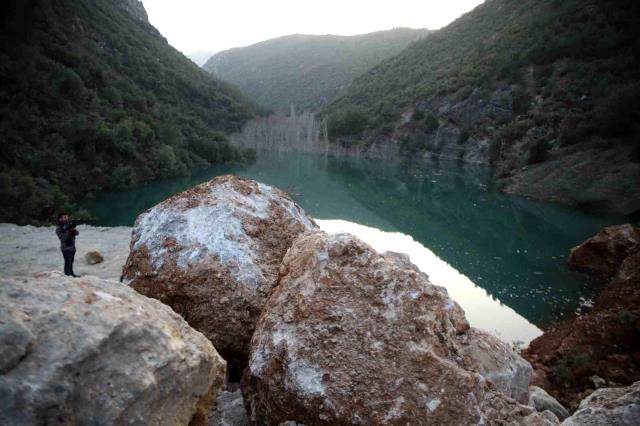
(306, 70)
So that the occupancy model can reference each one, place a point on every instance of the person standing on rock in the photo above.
(66, 231)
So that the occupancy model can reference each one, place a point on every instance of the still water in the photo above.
(510, 249)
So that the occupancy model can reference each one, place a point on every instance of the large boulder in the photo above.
(604, 252)
(608, 406)
(353, 337)
(90, 351)
(212, 253)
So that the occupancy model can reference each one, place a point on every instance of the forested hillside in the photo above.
(306, 70)
(547, 91)
(93, 97)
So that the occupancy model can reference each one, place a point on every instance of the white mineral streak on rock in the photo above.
(433, 404)
(209, 229)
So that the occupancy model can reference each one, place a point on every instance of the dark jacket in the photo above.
(67, 237)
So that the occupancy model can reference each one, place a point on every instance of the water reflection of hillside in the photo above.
(513, 248)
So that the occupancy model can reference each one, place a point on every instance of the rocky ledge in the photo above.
(602, 347)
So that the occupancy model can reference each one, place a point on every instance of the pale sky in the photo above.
(215, 25)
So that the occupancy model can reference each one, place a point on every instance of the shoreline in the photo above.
(29, 249)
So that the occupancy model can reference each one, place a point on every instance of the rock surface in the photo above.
(605, 252)
(91, 351)
(93, 258)
(497, 362)
(608, 406)
(212, 253)
(541, 401)
(229, 410)
(353, 337)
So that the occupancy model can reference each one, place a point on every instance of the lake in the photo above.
(511, 250)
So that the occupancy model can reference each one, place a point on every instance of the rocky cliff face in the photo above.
(91, 351)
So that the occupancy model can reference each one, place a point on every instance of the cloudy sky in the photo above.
(213, 25)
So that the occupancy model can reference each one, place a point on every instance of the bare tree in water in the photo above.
(279, 132)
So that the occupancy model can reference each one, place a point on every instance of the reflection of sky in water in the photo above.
(482, 310)
(515, 249)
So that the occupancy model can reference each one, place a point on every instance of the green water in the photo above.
(514, 248)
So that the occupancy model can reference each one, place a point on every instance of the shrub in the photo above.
(521, 102)
(431, 123)
(69, 84)
(350, 123)
(417, 115)
(618, 112)
(463, 137)
(574, 129)
(122, 177)
(538, 152)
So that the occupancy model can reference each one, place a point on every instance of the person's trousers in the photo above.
(68, 261)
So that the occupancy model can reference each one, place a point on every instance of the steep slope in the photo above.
(306, 70)
(547, 91)
(93, 97)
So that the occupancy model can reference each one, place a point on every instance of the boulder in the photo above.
(497, 362)
(608, 406)
(212, 253)
(91, 351)
(541, 401)
(93, 258)
(229, 410)
(353, 337)
(604, 252)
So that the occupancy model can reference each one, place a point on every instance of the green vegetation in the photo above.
(581, 59)
(431, 123)
(350, 123)
(306, 70)
(93, 97)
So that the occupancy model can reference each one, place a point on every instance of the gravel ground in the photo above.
(30, 249)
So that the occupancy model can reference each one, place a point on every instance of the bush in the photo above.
(574, 129)
(538, 152)
(521, 102)
(69, 84)
(463, 137)
(618, 112)
(122, 177)
(431, 123)
(351, 123)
